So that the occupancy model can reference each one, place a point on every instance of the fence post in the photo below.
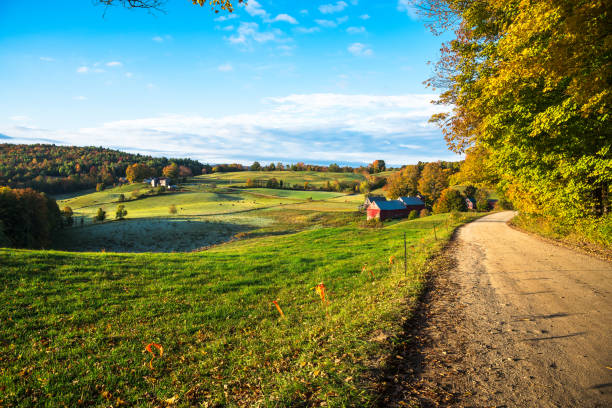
(405, 257)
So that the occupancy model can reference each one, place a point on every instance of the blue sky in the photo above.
(300, 80)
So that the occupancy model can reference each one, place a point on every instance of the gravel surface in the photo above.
(509, 320)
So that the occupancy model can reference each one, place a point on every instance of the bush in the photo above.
(121, 198)
(413, 215)
(121, 212)
(272, 183)
(172, 209)
(100, 187)
(136, 194)
(373, 223)
(482, 205)
(424, 213)
(100, 215)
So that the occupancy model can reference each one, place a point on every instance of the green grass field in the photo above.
(314, 178)
(75, 325)
(205, 216)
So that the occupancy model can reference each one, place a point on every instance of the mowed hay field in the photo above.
(314, 178)
(205, 215)
(75, 325)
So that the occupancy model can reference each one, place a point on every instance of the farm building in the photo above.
(387, 209)
(156, 182)
(370, 200)
(470, 203)
(412, 203)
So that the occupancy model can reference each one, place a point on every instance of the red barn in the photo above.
(387, 209)
(412, 203)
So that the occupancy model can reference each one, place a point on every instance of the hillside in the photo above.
(61, 169)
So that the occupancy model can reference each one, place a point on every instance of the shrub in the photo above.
(413, 215)
(121, 198)
(121, 212)
(424, 213)
(136, 194)
(482, 205)
(272, 183)
(100, 187)
(172, 209)
(100, 215)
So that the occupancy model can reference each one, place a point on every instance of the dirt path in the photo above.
(512, 322)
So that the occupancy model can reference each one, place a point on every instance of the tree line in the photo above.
(61, 169)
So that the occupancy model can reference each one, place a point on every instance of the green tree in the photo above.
(121, 212)
(272, 183)
(255, 166)
(100, 215)
(529, 82)
(67, 216)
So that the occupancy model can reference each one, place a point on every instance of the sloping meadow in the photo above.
(76, 326)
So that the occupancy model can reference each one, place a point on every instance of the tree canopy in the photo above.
(216, 5)
(529, 84)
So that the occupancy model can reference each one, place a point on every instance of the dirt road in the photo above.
(514, 322)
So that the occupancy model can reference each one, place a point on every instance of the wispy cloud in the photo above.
(47, 59)
(286, 18)
(247, 33)
(307, 30)
(406, 6)
(360, 50)
(311, 127)
(82, 70)
(356, 30)
(114, 64)
(80, 98)
(225, 67)
(159, 38)
(333, 8)
(364, 16)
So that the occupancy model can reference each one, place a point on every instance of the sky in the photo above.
(316, 81)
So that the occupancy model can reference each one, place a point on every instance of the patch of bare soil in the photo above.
(506, 321)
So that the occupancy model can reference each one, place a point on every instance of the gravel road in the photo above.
(514, 321)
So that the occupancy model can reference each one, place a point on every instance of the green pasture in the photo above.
(75, 325)
(314, 178)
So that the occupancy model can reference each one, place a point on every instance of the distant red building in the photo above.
(387, 209)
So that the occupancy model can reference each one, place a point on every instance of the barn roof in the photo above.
(389, 205)
(411, 200)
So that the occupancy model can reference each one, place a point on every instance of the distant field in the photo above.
(314, 178)
(205, 216)
(75, 326)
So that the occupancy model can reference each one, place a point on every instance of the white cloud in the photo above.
(356, 30)
(341, 20)
(286, 18)
(228, 28)
(304, 12)
(226, 17)
(225, 67)
(333, 8)
(299, 127)
(364, 16)
(248, 33)
(326, 23)
(114, 64)
(360, 50)
(129, 74)
(254, 9)
(47, 59)
(80, 98)
(309, 30)
(406, 6)
(82, 70)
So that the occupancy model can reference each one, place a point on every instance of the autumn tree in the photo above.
(216, 5)
(377, 166)
(449, 200)
(529, 82)
(403, 183)
(138, 172)
(433, 180)
(184, 171)
(67, 214)
(171, 171)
